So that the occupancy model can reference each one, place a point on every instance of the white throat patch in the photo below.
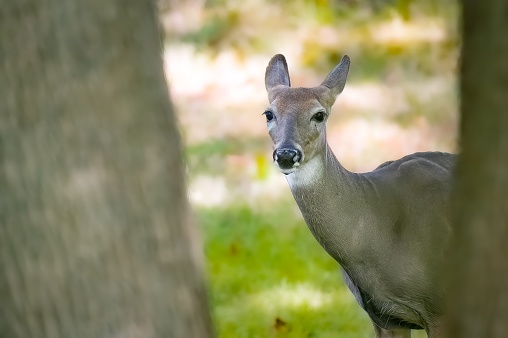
(307, 173)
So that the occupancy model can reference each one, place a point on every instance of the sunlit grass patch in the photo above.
(269, 277)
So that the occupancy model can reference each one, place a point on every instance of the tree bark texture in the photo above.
(95, 239)
(479, 297)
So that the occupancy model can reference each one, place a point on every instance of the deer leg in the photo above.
(382, 333)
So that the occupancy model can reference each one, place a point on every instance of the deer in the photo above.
(388, 229)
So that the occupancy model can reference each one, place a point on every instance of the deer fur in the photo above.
(388, 228)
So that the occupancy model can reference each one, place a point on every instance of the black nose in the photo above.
(286, 157)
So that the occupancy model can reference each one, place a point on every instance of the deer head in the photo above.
(296, 117)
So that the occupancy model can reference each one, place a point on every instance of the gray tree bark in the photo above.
(479, 289)
(95, 238)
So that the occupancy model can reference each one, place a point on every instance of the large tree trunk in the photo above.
(94, 236)
(479, 299)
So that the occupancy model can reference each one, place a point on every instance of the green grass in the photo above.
(268, 277)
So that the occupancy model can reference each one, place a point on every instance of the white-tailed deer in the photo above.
(387, 228)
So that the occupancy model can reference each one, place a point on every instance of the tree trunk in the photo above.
(479, 298)
(95, 239)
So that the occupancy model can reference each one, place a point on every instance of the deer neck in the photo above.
(330, 199)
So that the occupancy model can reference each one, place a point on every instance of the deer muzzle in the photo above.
(287, 159)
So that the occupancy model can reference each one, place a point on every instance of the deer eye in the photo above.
(319, 116)
(269, 115)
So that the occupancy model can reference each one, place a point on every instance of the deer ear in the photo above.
(336, 80)
(276, 76)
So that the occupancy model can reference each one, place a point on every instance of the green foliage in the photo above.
(255, 25)
(215, 31)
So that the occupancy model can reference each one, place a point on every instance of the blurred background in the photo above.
(267, 275)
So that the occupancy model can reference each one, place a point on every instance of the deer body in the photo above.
(388, 228)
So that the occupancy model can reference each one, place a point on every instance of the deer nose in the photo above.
(287, 158)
